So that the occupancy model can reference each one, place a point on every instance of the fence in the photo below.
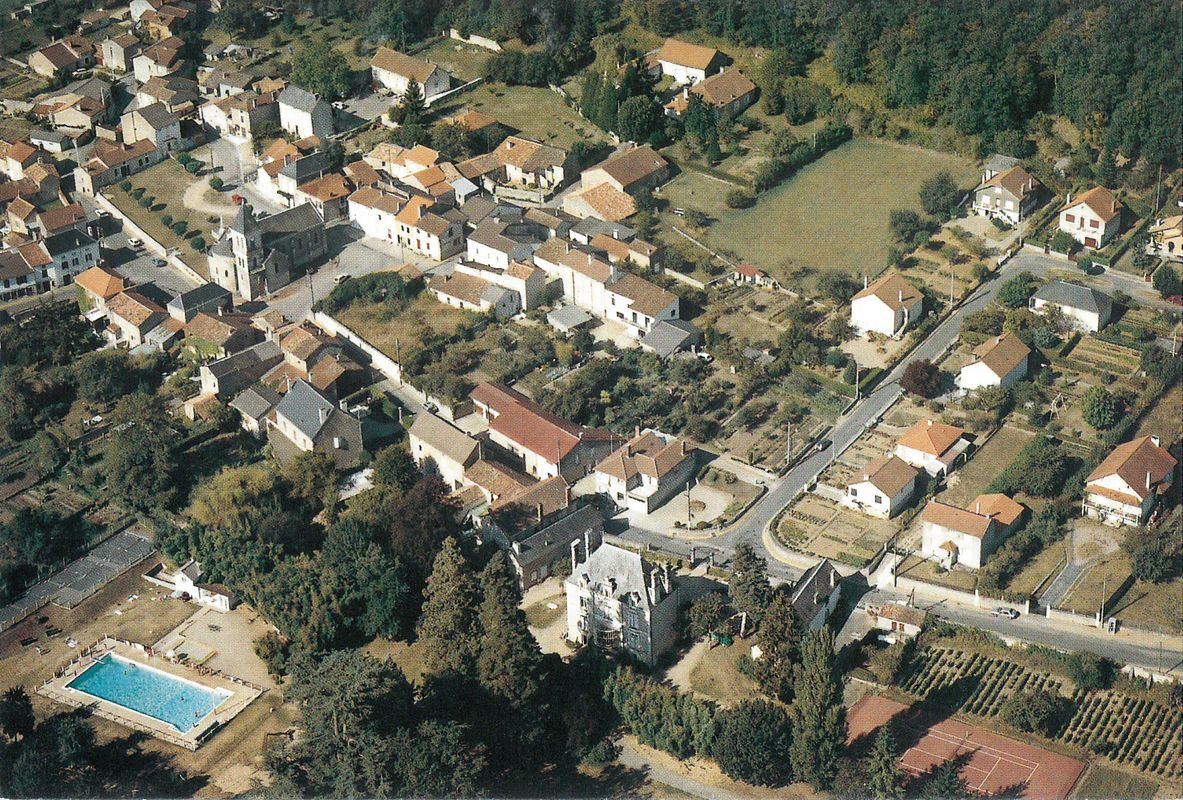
(434, 99)
(475, 39)
(378, 360)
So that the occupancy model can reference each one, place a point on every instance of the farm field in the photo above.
(833, 214)
(1135, 732)
(538, 113)
(984, 465)
(822, 527)
(1096, 360)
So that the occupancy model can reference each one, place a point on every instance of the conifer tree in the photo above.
(447, 627)
(946, 784)
(884, 765)
(750, 589)
(510, 663)
(819, 720)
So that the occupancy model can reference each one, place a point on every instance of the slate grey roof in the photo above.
(291, 220)
(554, 541)
(819, 583)
(307, 168)
(307, 409)
(66, 241)
(158, 116)
(611, 565)
(476, 209)
(199, 297)
(1001, 163)
(669, 336)
(568, 317)
(299, 99)
(96, 89)
(56, 137)
(257, 358)
(244, 219)
(256, 402)
(1063, 293)
(590, 226)
(494, 294)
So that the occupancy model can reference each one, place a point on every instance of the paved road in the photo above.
(1125, 648)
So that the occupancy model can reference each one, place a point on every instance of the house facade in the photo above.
(954, 536)
(1126, 487)
(302, 113)
(1093, 218)
(1000, 361)
(686, 62)
(442, 449)
(1086, 308)
(394, 72)
(622, 604)
(883, 487)
(1009, 196)
(646, 472)
(932, 446)
(886, 307)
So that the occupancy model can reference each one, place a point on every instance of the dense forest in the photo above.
(985, 68)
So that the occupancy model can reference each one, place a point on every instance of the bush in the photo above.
(125, 186)
(197, 243)
(1062, 242)
(1089, 671)
(192, 167)
(216, 183)
(138, 193)
(602, 753)
(179, 228)
(184, 158)
(922, 378)
(1101, 409)
(167, 219)
(752, 742)
(146, 202)
(1039, 712)
(740, 198)
(1155, 553)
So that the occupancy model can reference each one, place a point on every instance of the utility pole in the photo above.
(689, 513)
(856, 383)
(789, 447)
(311, 290)
(1104, 592)
(398, 360)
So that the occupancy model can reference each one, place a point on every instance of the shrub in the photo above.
(216, 183)
(138, 193)
(1101, 409)
(602, 753)
(1038, 711)
(740, 198)
(167, 219)
(1062, 242)
(752, 741)
(179, 228)
(1154, 552)
(146, 202)
(125, 186)
(197, 243)
(184, 158)
(192, 167)
(922, 378)
(1089, 671)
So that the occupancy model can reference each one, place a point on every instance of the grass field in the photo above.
(538, 113)
(166, 182)
(1102, 781)
(833, 214)
(465, 62)
(984, 466)
(717, 676)
(375, 323)
(1156, 606)
(1163, 419)
(1028, 579)
(1102, 578)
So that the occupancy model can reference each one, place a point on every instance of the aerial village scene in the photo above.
(591, 399)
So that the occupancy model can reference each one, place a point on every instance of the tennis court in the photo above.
(990, 764)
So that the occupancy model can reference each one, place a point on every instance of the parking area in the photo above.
(140, 267)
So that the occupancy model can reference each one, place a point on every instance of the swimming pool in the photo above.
(178, 702)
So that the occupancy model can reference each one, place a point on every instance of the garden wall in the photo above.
(378, 360)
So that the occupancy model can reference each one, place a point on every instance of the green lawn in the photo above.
(984, 466)
(380, 328)
(1152, 605)
(465, 62)
(1102, 781)
(538, 113)
(166, 182)
(833, 214)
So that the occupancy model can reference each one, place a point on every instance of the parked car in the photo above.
(135, 243)
(340, 279)
(1003, 611)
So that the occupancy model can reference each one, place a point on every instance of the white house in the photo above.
(883, 487)
(1166, 238)
(621, 603)
(490, 245)
(1010, 196)
(644, 474)
(186, 581)
(1093, 218)
(686, 62)
(932, 446)
(430, 229)
(394, 71)
(887, 306)
(967, 536)
(1126, 486)
(302, 113)
(899, 619)
(376, 212)
(1087, 309)
(439, 448)
(583, 274)
(999, 361)
(753, 276)
(638, 303)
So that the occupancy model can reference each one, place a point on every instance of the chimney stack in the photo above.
(539, 510)
(901, 295)
(1147, 480)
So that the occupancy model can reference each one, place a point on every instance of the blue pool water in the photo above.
(181, 703)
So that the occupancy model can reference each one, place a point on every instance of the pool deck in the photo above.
(241, 693)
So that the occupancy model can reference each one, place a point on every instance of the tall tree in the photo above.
(819, 719)
(448, 626)
(510, 663)
(750, 589)
(753, 744)
(780, 644)
(16, 713)
(141, 460)
(884, 765)
(946, 784)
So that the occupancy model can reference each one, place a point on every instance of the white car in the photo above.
(1003, 611)
(136, 243)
